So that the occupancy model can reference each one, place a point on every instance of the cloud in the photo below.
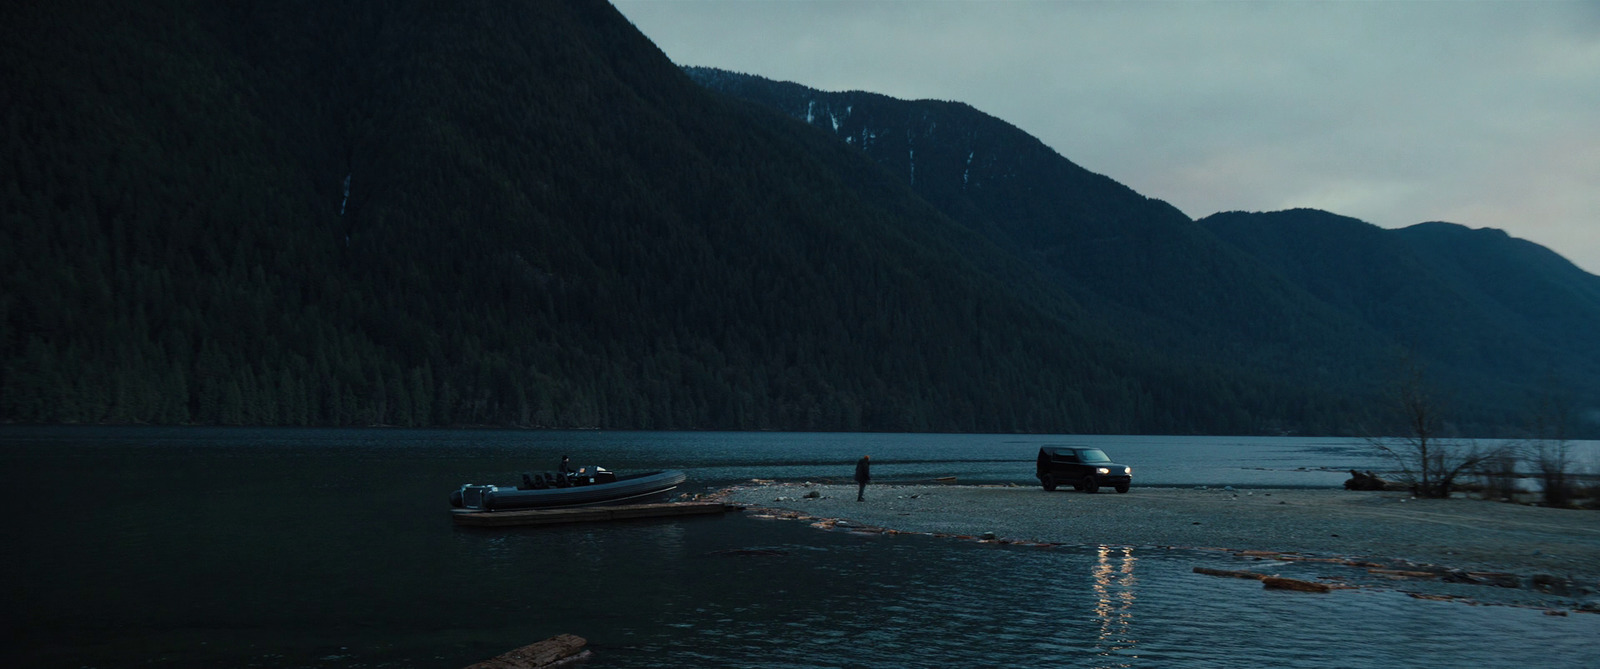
(1480, 113)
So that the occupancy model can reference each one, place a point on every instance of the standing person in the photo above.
(863, 475)
(566, 467)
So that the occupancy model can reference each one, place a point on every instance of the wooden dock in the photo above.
(589, 514)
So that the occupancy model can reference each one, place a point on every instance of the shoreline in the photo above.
(1539, 556)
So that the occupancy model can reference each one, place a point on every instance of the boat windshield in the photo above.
(1093, 455)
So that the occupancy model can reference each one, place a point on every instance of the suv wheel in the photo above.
(1048, 481)
(1090, 484)
(1122, 487)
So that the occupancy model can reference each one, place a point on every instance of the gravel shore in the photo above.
(1387, 527)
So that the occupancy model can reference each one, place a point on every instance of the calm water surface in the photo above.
(332, 548)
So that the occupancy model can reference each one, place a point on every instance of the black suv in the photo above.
(1083, 468)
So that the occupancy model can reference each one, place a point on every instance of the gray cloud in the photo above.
(1484, 113)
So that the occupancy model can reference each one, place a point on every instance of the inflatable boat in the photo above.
(590, 486)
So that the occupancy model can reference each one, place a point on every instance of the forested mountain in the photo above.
(472, 213)
(1487, 310)
(1297, 296)
(416, 213)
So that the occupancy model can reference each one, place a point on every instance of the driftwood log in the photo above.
(1403, 573)
(1278, 583)
(554, 651)
(1366, 481)
(1230, 573)
(1267, 580)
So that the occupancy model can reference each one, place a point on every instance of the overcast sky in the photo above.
(1480, 113)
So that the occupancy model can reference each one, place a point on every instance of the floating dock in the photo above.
(589, 514)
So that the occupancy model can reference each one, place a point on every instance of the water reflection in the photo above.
(1114, 589)
(407, 588)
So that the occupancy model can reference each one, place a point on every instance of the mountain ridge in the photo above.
(1266, 271)
(410, 214)
(407, 213)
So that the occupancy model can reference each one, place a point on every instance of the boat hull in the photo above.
(634, 488)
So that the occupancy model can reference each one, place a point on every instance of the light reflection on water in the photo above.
(206, 548)
(840, 599)
(1115, 589)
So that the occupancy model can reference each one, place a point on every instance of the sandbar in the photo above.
(1466, 535)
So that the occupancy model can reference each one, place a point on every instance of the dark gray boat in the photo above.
(547, 491)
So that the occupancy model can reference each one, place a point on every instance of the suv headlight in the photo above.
(1128, 471)
(1103, 470)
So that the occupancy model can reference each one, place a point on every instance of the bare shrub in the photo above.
(1552, 453)
(1499, 474)
(1585, 487)
(1553, 458)
(1428, 462)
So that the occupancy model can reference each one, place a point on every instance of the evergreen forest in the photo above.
(416, 213)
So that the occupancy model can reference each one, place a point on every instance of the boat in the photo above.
(590, 486)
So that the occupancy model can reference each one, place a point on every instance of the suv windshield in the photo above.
(1093, 455)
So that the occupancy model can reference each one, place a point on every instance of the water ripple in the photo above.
(331, 549)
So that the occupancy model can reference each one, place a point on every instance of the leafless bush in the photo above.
(1429, 462)
(1431, 467)
(1499, 474)
(1584, 486)
(1553, 458)
(1551, 452)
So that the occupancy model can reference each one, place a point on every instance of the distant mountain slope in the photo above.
(1482, 308)
(1166, 281)
(1283, 300)
(414, 213)
(417, 213)
(1523, 282)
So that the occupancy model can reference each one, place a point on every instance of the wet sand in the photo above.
(1386, 527)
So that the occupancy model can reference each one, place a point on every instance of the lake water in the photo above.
(198, 547)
